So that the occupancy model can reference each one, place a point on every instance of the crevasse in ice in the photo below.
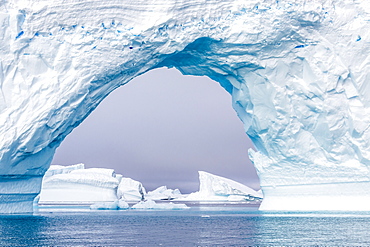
(298, 73)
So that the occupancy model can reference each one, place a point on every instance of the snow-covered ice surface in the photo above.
(216, 188)
(298, 73)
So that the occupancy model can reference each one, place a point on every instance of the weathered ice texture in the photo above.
(298, 72)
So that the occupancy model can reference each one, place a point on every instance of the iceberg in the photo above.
(216, 188)
(74, 184)
(116, 205)
(162, 193)
(147, 204)
(298, 72)
(150, 204)
(101, 187)
(130, 190)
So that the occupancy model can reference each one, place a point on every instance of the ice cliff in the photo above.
(298, 73)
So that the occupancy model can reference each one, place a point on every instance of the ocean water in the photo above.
(198, 226)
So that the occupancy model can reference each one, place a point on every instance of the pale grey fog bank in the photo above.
(160, 129)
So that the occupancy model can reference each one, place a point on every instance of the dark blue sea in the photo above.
(198, 226)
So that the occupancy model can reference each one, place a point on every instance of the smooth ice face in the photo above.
(298, 73)
(74, 184)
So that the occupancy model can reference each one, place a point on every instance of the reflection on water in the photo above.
(195, 227)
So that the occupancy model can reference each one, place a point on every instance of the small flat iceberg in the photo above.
(150, 204)
(116, 205)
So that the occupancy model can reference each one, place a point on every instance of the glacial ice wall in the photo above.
(75, 184)
(297, 72)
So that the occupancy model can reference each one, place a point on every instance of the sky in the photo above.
(161, 129)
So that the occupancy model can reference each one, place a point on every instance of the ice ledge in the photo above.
(17, 193)
(353, 196)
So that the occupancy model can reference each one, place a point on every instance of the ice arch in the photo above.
(297, 72)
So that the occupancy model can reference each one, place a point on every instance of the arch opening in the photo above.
(160, 129)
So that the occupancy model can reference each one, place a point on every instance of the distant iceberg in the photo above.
(216, 188)
(163, 193)
(68, 184)
(106, 190)
(130, 190)
(102, 188)
(75, 184)
(116, 205)
(150, 204)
